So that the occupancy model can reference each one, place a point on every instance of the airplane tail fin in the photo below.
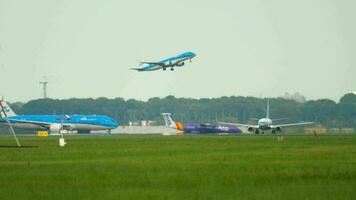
(6, 108)
(168, 120)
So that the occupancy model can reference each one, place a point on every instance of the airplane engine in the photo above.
(55, 128)
(250, 129)
(180, 64)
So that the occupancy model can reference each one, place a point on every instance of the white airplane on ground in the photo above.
(265, 124)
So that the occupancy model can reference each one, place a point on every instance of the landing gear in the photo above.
(274, 131)
(172, 69)
(164, 68)
(257, 131)
(190, 60)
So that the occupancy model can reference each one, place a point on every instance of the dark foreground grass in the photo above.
(176, 167)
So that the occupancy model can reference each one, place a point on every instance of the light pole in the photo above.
(44, 84)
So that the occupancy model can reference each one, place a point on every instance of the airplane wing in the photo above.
(154, 63)
(43, 124)
(236, 124)
(137, 69)
(294, 124)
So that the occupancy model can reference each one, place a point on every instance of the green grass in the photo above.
(179, 167)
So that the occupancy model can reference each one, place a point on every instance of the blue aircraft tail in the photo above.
(9, 112)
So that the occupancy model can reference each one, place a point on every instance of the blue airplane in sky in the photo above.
(55, 123)
(175, 61)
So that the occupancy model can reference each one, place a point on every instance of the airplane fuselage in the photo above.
(264, 124)
(68, 122)
(175, 61)
(196, 128)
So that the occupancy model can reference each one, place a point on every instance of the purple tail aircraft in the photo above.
(195, 128)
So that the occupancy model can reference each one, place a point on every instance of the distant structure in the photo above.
(142, 123)
(147, 123)
(44, 85)
(296, 97)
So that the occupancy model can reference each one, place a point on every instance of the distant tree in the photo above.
(347, 111)
(16, 107)
(232, 109)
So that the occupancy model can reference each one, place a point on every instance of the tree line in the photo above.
(325, 112)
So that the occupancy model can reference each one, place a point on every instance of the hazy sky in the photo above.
(245, 47)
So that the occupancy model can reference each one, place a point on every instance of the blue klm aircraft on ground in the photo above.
(175, 61)
(55, 123)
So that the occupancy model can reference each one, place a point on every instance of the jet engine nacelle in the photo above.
(55, 128)
(180, 64)
(279, 129)
(250, 129)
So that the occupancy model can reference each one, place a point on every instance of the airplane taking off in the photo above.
(55, 123)
(176, 61)
(195, 128)
(265, 124)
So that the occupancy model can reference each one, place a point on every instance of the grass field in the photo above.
(179, 167)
